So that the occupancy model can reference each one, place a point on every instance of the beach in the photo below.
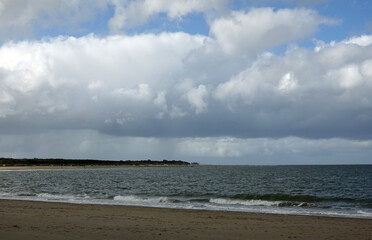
(50, 220)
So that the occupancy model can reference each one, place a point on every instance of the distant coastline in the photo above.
(51, 163)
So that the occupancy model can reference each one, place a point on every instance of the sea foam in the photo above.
(224, 201)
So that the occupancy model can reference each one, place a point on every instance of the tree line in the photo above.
(85, 162)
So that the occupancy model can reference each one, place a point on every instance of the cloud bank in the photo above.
(222, 95)
(147, 86)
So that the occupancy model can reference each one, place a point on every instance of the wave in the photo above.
(308, 199)
(206, 203)
(138, 199)
(279, 197)
(55, 197)
(224, 201)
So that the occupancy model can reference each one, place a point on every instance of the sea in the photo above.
(337, 191)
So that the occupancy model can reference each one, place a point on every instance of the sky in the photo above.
(214, 81)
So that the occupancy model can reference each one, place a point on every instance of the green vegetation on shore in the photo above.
(87, 162)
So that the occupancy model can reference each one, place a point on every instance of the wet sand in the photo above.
(47, 220)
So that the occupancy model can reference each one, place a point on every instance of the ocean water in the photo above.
(343, 191)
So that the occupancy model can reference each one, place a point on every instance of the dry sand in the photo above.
(46, 220)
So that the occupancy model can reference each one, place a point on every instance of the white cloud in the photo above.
(19, 18)
(141, 92)
(197, 98)
(214, 147)
(180, 95)
(347, 76)
(137, 13)
(287, 83)
(328, 72)
(263, 28)
(161, 100)
(95, 85)
(243, 86)
(366, 69)
(62, 73)
(274, 151)
(7, 103)
(141, 86)
(364, 40)
(151, 85)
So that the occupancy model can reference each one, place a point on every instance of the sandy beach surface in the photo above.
(48, 220)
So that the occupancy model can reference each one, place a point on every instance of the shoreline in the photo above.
(187, 209)
(181, 209)
(22, 219)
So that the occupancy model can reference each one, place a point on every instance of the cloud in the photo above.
(20, 18)
(263, 149)
(73, 79)
(346, 77)
(142, 92)
(364, 40)
(210, 150)
(197, 98)
(214, 147)
(152, 86)
(298, 2)
(182, 96)
(243, 86)
(135, 13)
(287, 83)
(327, 93)
(263, 28)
